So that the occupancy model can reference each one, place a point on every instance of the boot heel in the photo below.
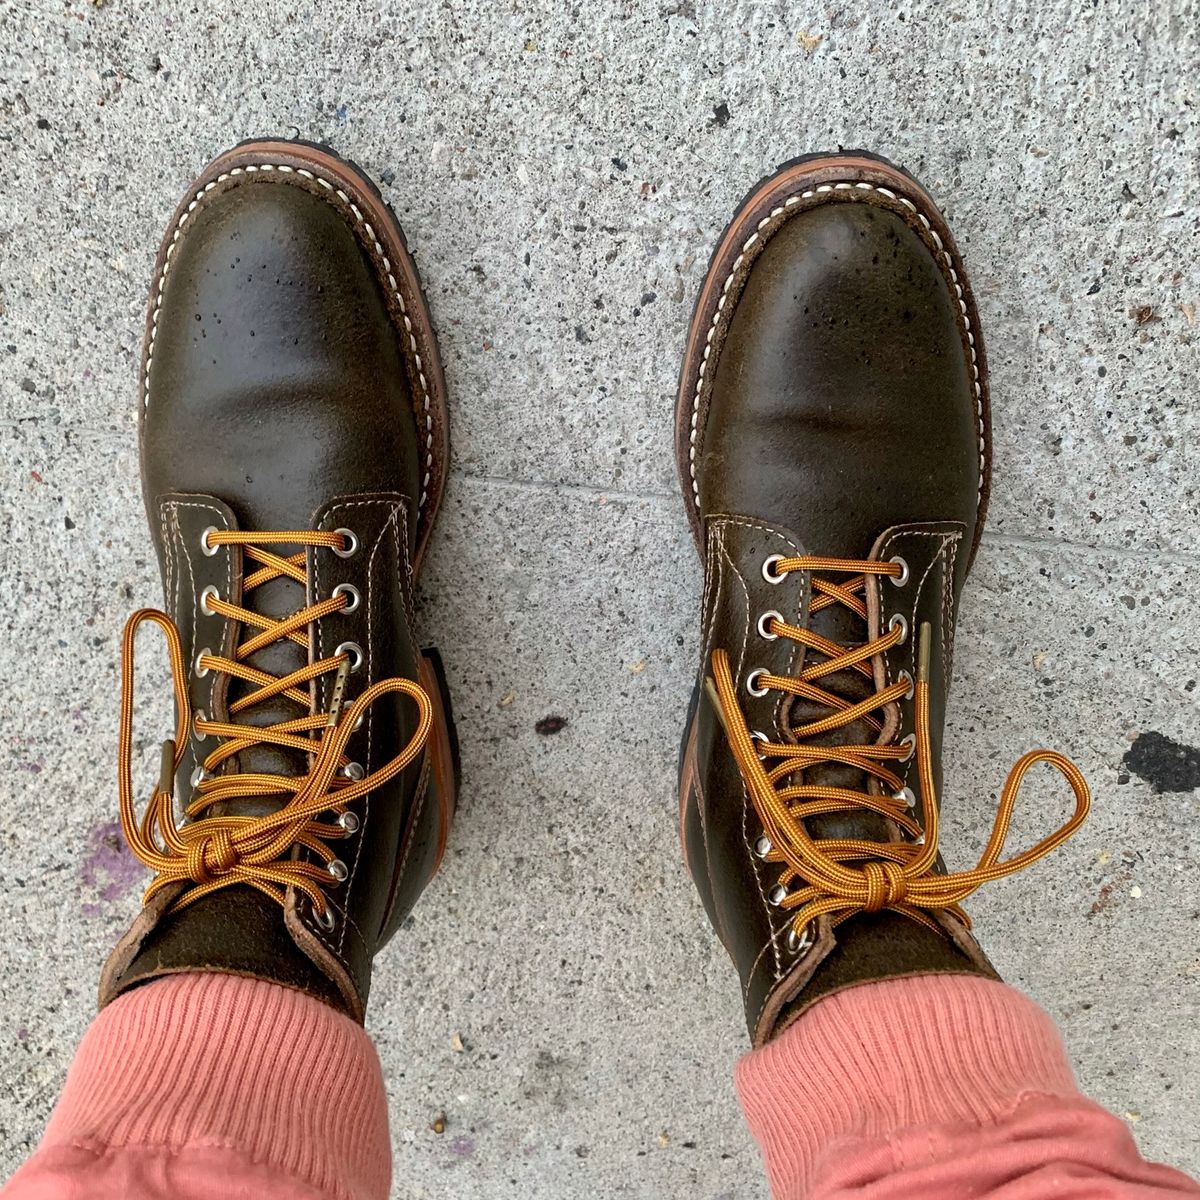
(445, 771)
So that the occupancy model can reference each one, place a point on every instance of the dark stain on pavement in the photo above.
(1166, 765)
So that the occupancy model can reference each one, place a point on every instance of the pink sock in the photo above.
(202, 1085)
(939, 1086)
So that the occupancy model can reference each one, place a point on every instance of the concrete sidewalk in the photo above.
(562, 173)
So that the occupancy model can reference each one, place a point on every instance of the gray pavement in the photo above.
(562, 172)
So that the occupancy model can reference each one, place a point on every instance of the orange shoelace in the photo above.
(214, 852)
(842, 877)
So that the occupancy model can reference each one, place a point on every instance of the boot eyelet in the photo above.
(764, 625)
(348, 589)
(767, 573)
(909, 740)
(200, 671)
(326, 919)
(209, 594)
(907, 675)
(752, 685)
(198, 716)
(349, 822)
(799, 943)
(763, 846)
(777, 895)
(901, 579)
(204, 543)
(338, 870)
(353, 771)
(899, 621)
(198, 776)
(907, 796)
(354, 651)
(757, 735)
(351, 546)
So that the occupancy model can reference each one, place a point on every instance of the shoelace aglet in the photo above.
(166, 768)
(339, 693)
(925, 639)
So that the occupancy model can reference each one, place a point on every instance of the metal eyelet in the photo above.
(769, 575)
(354, 651)
(351, 540)
(763, 846)
(901, 579)
(348, 589)
(907, 796)
(756, 735)
(900, 621)
(753, 687)
(353, 771)
(798, 944)
(359, 722)
(204, 546)
(349, 822)
(198, 716)
(909, 740)
(338, 870)
(911, 686)
(326, 920)
(764, 625)
(198, 776)
(209, 593)
(777, 895)
(200, 671)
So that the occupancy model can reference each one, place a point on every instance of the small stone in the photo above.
(810, 41)
(506, 699)
(438, 1124)
(456, 1043)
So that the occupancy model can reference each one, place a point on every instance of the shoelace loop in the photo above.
(841, 877)
(210, 852)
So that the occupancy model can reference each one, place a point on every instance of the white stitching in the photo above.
(952, 538)
(976, 381)
(159, 286)
(370, 672)
(719, 528)
(212, 508)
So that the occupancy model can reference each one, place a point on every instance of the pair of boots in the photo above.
(832, 436)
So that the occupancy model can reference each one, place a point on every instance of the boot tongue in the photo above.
(845, 628)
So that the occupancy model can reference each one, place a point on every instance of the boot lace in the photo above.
(844, 876)
(209, 851)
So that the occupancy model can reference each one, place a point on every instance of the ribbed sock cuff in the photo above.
(218, 1060)
(882, 1056)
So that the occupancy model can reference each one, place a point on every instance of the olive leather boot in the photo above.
(833, 445)
(294, 447)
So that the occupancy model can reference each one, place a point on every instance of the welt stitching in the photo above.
(791, 201)
(283, 170)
